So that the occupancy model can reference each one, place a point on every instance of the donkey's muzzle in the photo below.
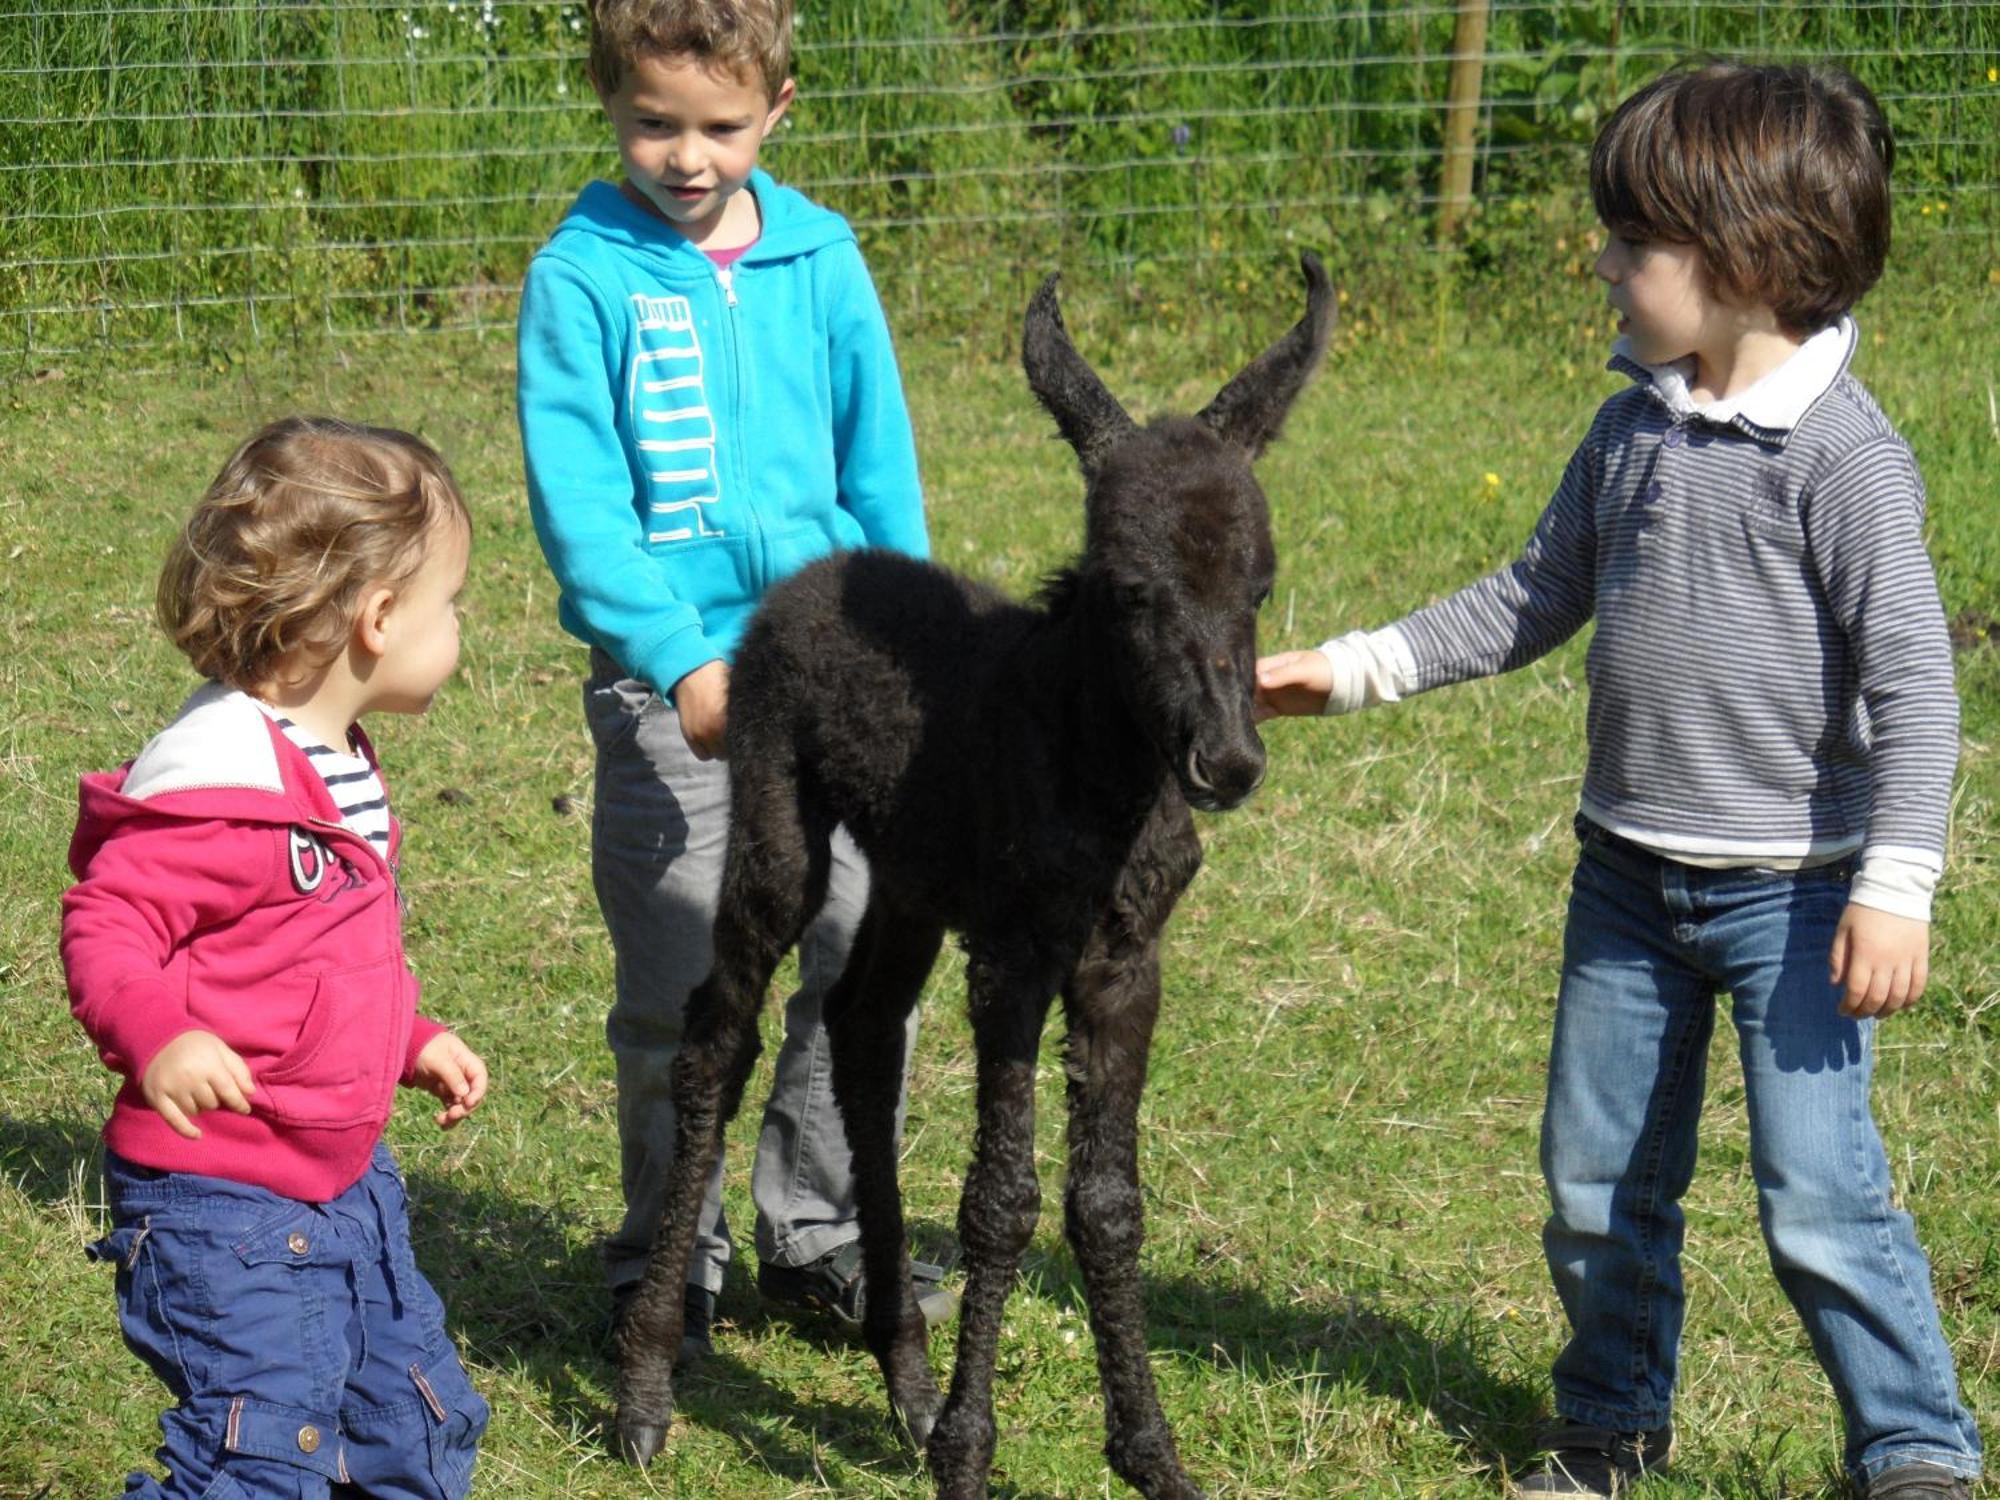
(1218, 781)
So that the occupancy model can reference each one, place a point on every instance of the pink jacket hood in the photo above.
(217, 890)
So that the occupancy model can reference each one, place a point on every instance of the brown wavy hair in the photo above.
(1779, 174)
(750, 38)
(303, 519)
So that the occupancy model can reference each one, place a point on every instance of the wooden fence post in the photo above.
(1461, 114)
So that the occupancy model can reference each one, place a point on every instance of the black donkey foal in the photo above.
(1020, 775)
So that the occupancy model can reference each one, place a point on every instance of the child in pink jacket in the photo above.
(234, 948)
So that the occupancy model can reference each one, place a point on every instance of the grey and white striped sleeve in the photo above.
(1523, 610)
(1863, 522)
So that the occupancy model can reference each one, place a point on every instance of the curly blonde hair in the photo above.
(305, 517)
(750, 38)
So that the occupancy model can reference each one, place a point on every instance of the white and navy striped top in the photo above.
(353, 783)
(1770, 678)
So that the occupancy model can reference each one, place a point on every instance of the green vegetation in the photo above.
(1343, 1268)
(222, 174)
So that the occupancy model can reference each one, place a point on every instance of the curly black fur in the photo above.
(1021, 775)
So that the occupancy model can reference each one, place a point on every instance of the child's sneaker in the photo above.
(834, 1284)
(1918, 1482)
(1581, 1460)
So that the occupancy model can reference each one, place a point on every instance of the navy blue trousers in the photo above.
(304, 1349)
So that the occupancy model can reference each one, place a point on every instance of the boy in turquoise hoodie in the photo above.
(708, 401)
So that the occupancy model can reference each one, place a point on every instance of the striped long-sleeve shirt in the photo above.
(1770, 677)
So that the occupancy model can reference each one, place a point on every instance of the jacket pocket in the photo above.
(335, 1074)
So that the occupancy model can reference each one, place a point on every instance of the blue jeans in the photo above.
(1649, 945)
(302, 1345)
(658, 834)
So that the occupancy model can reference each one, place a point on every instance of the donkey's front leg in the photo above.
(1110, 1004)
(996, 1217)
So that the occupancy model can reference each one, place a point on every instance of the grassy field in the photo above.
(1343, 1267)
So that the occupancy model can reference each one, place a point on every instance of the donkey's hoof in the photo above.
(918, 1418)
(640, 1442)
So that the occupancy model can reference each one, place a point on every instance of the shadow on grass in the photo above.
(1444, 1366)
(522, 1293)
(45, 1159)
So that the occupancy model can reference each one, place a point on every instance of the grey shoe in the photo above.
(1920, 1481)
(833, 1284)
(1580, 1460)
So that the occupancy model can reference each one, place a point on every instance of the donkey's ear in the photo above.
(1088, 414)
(1251, 408)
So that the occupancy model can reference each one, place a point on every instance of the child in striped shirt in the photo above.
(233, 946)
(1772, 736)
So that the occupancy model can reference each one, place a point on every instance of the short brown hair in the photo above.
(304, 518)
(751, 38)
(1778, 174)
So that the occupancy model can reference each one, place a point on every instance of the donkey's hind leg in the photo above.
(866, 1018)
(774, 877)
(996, 1213)
(1110, 1004)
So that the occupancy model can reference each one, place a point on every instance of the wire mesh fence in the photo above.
(211, 173)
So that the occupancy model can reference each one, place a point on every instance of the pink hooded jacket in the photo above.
(218, 891)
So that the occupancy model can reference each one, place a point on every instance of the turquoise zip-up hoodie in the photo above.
(693, 435)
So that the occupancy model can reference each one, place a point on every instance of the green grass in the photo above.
(1344, 1281)
(217, 174)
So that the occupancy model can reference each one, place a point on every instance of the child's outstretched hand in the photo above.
(702, 700)
(197, 1070)
(1881, 961)
(455, 1073)
(1292, 682)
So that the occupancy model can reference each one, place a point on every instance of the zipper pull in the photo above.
(727, 276)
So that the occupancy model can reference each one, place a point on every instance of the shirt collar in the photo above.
(1769, 409)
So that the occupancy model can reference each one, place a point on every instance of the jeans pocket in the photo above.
(614, 708)
(275, 1449)
(155, 1303)
(292, 1271)
(122, 1246)
(458, 1418)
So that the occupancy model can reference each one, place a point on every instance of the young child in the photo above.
(708, 401)
(1772, 733)
(233, 946)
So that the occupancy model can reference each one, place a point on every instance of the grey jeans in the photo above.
(657, 838)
